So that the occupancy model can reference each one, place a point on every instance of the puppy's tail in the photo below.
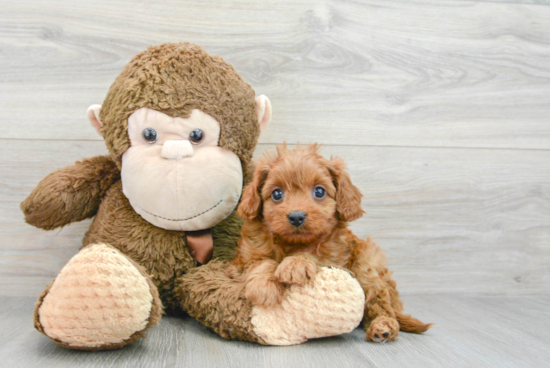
(410, 324)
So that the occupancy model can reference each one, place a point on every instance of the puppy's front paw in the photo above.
(383, 329)
(296, 270)
(264, 292)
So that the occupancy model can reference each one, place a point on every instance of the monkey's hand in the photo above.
(70, 194)
(298, 270)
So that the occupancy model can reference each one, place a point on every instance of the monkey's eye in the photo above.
(150, 135)
(277, 195)
(196, 136)
(319, 192)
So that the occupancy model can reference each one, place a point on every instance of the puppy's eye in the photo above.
(196, 136)
(150, 135)
(277, 195)
(319, 192)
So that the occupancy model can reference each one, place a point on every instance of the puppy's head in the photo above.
(299, 195)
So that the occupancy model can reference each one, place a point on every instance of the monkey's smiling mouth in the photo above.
(185, 219)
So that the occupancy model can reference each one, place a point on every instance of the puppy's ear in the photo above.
(348, 196)
(250, 207)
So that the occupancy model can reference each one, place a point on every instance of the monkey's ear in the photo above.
(348, 196)
(93, 116)
(263, 111)
(250, 207)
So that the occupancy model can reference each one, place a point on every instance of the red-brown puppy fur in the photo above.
(273, 252)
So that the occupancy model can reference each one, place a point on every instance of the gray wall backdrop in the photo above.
(440, 108)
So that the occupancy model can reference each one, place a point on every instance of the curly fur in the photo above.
(273, 253)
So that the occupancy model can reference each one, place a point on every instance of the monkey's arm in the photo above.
(70, 194)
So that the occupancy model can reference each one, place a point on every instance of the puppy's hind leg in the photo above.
(380, 320)
(380, 317)
(407, 323)
(383, 308)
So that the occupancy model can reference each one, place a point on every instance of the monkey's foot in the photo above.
(332, 305)
(383, 329)
(100, 300)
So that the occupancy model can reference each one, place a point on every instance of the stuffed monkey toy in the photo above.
(180, 126)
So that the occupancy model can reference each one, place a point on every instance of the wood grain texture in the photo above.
(377, 72)
(443, 74)
(450, 220)
(470, 331)
(440, 108)
(537, 2)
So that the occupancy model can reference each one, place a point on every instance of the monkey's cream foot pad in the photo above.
(100, 300)
(332, 305)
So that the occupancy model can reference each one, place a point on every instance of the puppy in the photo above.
(297, 208)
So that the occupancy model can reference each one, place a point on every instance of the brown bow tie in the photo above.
(201, 245)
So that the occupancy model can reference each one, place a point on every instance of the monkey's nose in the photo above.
(175, 150)
(297, 218)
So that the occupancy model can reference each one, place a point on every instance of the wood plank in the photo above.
(413, 73)
(450, 220)
(537, 2)
(469, 331)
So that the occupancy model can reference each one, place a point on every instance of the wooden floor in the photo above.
(470, 331)
(441, 109)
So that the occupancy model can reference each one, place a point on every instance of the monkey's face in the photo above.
(175, 175)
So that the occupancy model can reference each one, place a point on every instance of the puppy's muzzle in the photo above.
(297, 218)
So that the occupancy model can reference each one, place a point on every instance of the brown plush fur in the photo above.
(71, 194)
(217, 301)
(273, 253)
(163, 253)
(173, 79)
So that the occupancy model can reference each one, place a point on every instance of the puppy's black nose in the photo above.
(297, 218)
